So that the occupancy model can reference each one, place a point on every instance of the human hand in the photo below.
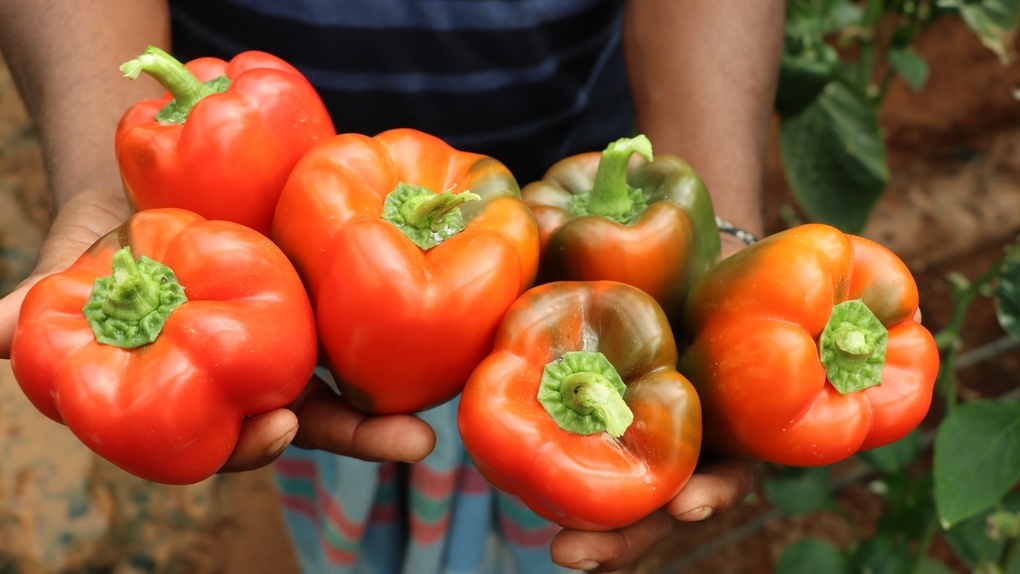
(320, 419)
(716, 486)
(81, 222)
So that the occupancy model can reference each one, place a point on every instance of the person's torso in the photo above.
(525, 81)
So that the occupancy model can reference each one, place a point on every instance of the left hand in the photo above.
(717, 485)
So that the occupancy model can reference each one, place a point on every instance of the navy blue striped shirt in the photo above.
(525, 81)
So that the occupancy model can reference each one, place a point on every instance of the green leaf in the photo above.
(930, 565)
(834, 158)
(895, 457)
(977, 458)
(811, 556)
(910, 66)
(1007, 292)
(882, 555)
(796, 490)
(969, 539)
(994, 22)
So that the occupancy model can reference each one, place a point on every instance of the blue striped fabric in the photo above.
(524, 81)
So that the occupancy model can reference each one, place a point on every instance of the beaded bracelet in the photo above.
(742, 234)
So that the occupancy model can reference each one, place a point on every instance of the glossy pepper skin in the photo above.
(232, 335)
(225, 147)
(648, 223)
(595, 464)
(401, 324)
(806, 348)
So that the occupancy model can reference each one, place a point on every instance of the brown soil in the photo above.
(952, 204)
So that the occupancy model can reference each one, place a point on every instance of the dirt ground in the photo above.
(952, 204)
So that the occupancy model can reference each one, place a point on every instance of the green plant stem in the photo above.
(868, 48)
(924, 544)
(1010, 557)
(963, 294)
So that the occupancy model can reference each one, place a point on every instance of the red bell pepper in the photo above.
(411, 251)
(579, 409)
(154, 365)
(224, 138)
(806, 348)
(648, 223)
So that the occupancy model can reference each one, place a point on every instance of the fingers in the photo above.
(329, 423)
(263, 439)
(717, 485)
(10, 305)
(86, 217)
(610, 550)
(320, 419)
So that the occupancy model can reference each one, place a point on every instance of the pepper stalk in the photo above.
(424, 217)
(186, 89)
(129, 307)
(583, 393)
(852, 347)
(610, 195)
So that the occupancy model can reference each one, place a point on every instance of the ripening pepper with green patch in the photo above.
(579, 409)
(806, 347)
(642, 220)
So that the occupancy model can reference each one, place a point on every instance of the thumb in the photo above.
(10, 305)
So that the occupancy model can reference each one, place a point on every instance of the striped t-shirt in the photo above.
(525, 81)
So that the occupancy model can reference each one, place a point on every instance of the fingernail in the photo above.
(276, 448)
(696, 514)
(586, 565)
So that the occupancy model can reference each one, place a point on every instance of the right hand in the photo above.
(80, 222)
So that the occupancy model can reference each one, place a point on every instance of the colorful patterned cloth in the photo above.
(439, 516)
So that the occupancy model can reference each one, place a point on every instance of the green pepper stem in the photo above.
(186, 89)
(128, 308)
(610, 196)
(852, 347)
(132, 294)
(427, 210)
(583, 393)
(424, 217)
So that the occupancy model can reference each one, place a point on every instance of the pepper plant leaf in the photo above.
(977, 458)
(834, 157)
(795, 490)
(910, 66)
(994, 21)
(810, 556)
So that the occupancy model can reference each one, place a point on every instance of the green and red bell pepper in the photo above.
(806, 348)
(579, 409)
(162, 337)
(648, 223)
(411, 251)
(223, 139)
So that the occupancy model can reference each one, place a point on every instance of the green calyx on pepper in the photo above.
(424, 217)
(852, 347)
(583, 393)
(129, 307)
(610, 195)
(186, 89)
